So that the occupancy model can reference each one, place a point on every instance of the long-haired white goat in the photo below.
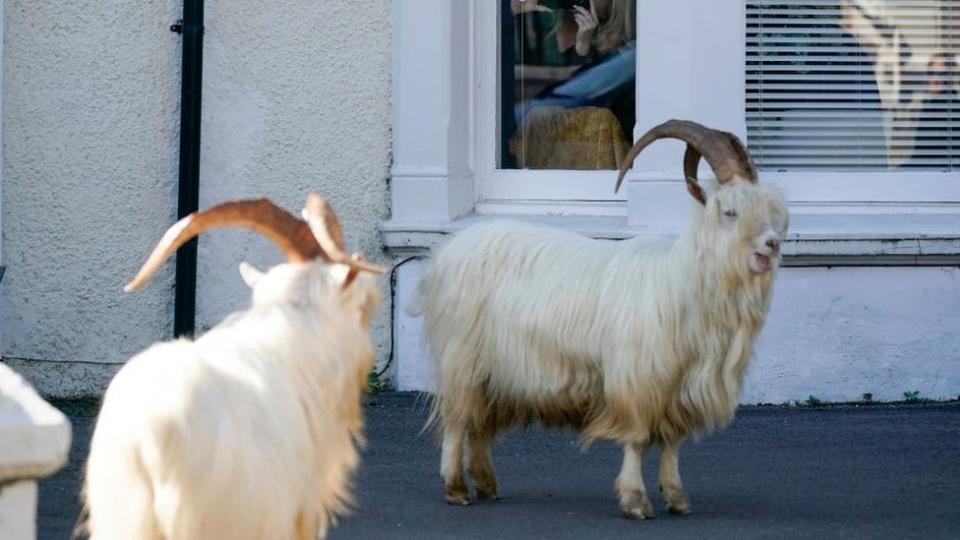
(250, 431)
(643, 341)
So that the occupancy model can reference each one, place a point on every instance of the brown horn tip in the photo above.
(158, 256)
(359, 264)
(322, 219)
(325, 225)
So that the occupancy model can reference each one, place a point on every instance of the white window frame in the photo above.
(445, 125)
(498, 187)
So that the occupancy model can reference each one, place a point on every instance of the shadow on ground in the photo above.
(875, 472)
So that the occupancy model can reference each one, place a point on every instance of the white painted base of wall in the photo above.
(18, 511)
(833, 333)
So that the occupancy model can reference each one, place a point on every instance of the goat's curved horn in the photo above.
(290, 234)
(727, 156)
(325, 226)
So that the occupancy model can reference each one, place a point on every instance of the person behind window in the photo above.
(603, 27)
(912, 113)
(583, 120)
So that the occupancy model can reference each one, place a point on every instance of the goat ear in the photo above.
(251, 276)
(696, 191)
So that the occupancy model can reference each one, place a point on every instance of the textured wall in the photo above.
(89, 133)
(838, 333)
(1, 180)
(296, 98)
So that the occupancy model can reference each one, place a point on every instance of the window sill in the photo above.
(813, 240)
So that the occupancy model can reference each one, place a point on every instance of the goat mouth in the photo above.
(763, 262)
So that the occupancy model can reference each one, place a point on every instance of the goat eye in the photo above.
(730, 213)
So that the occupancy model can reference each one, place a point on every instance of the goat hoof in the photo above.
(680, 509)
(456, 500)
(487, 493)
(636, 505)
(677, 501)
(457, 495)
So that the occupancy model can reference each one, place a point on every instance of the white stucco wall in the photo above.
(834, 333)
(838, 333)
(1, 172)
(296, 97)
(89, 133)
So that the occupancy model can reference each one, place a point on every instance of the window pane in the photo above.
(836, 85)
(567, 72)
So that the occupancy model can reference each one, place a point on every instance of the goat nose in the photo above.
(773, 244)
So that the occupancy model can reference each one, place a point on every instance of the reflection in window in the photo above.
(567, 71)
(837, 85)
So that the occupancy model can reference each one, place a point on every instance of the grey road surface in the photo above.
(870, 472)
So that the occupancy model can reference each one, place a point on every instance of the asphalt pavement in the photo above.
(775, 472)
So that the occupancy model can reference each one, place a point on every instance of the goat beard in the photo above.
(741, 273)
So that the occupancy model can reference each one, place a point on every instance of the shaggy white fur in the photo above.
(643, 341)
(250, 431)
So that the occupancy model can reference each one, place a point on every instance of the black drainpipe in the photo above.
(191, 83)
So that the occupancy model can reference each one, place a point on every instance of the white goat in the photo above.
(250, 431)
(642, 341)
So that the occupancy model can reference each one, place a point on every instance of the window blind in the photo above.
(853, 85)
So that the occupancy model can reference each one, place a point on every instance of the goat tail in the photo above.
(430, 303)
(427, 289)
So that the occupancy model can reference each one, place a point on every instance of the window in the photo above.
(567, 80)
(565, 99)
(853, 85)
(799, 81)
